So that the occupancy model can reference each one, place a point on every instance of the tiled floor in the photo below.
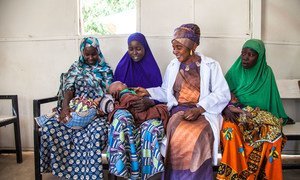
(10, 170)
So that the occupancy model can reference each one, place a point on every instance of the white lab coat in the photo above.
(214, 95)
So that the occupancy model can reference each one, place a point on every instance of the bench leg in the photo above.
(18, 142)
(37, 166)
(111, 176)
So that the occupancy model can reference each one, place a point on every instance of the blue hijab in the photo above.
(144, 73)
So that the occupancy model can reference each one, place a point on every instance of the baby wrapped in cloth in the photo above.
(82, 111)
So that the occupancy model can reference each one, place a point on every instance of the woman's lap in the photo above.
(242, 160)
(189, 148)
(152, 133)
(73, 153)
(134, 152)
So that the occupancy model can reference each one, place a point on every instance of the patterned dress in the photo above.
(134, 152)
(255, 144)
(240, 160)
(190, 143)
(76, 153)
(242, 157)
(261, 127)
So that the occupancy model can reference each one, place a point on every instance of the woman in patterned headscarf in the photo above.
(71, 153)
(253, 83)
(196, 93)
(133, 149)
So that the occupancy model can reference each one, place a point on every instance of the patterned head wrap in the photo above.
(188, 35)
(91, 81)
(91, 42)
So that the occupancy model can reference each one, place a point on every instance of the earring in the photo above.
(191, 52)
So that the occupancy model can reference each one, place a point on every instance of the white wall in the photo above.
(40, 39)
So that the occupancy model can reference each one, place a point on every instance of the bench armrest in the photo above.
(36, 113)
(37, 104)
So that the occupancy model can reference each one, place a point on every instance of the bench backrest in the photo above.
(289, 88)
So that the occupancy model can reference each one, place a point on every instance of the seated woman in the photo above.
(134, 150)
(196, 93)
(76, 153)
(253, 83)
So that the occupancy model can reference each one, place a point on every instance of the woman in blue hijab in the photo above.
(134, 151)
(137, 68)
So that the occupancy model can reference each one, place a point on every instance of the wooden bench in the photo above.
(292, 131)
(289, 89)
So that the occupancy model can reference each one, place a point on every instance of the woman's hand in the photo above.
(193, 114)
(230, 115)
(65, 112)
(141, 91)
(143, 104)
(64, 115)
(248, 115)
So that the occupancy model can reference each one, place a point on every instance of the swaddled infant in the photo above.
(82, 111)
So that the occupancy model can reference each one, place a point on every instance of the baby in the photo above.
(256, 125)
(127, 96)
(82, 111)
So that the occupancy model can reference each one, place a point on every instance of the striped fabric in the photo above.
(134, 152)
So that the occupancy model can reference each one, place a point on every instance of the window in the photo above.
(107, 17)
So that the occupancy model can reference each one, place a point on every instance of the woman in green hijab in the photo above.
(253, 83)
(256, 85)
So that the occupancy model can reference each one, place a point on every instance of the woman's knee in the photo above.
(154, 126)
(122, 117)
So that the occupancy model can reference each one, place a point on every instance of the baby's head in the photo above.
(116, 86)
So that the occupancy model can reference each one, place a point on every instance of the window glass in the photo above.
(107, 17)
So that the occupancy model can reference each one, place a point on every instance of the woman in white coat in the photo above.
(196, 93)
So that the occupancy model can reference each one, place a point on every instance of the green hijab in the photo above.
(256, 86)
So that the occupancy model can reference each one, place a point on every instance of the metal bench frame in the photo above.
(13, 120)
(292, 132)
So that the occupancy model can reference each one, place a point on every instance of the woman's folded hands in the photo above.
(193, 113)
